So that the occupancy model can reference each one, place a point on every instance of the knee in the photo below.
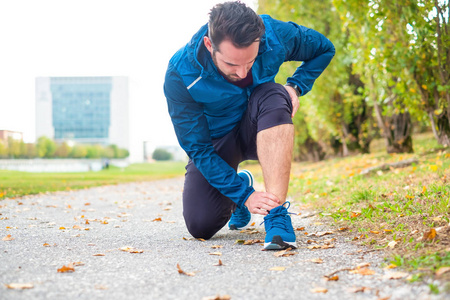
(201, 228)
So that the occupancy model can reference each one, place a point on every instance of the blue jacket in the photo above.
(204, 106)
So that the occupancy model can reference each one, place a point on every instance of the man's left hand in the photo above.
(294, 99)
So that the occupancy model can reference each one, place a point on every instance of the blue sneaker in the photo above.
(279, 231)
(241, 217)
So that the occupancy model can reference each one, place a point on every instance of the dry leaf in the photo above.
(99, 254)
(391, 266)
(183, 272)
(322, 233)
(218, 297)
(343, 229)
(68, 269)
(277, 269)
(358, 289)
(319, 290)
(363, 271)
(314, 247)
(78, 263)
(249, 231)
(46, 245)
(429, 235)
(300, 228)
(219, 263)
(375, 232)
(77, 227)
(442, 270)
(201, 240)
(62, 228)
(216, 246)
(362, 265)
(392, 244)
(395, 275)
(332, 278)
(327, 246)
(19, 286)
(7, 238)
(251, 242)
(355, 214)
(317, 260)
(216, 253)
(100, 287)
(284, 253)
(157, 220)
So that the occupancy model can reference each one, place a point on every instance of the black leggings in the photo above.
(205, 209)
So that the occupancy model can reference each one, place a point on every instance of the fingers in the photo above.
(295, 106)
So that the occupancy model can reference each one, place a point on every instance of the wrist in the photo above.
(296, 88)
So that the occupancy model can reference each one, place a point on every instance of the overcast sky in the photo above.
(133, 38)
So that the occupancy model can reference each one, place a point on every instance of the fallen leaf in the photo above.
(395, 275)
(314, 247)
(429, 235)
(442, 270)
(99, 254)
(332, 278)
(62, 228)
(343, 229)
(7, 238)
(68, 269)
(77, 227)
(355, 214)
(363, 271)
(327, 246)
(358, 289)
(251, 242)
(216, 246)
(216, 253)
(362, 265)
(157, 220)
(392, 244)
(19, 286)
(322, 233)
(319, 290)
(277, 269)
(375, 232)
(183, 272)
(46, 245)
(284, 253)
(201, 240)
(317, 260)
(249, 231)
(219, 263)
(100, 287)
(391, 266)
(218, 297)
(253, 224)
(300, 228)
(78, 263)
(388, 230)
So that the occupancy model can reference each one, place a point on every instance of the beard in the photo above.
(229, 77)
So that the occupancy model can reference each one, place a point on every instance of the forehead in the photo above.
(237, 56)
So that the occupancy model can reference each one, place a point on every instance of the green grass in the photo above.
(15, 184)
(398, 205)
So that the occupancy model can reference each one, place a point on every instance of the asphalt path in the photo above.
(129, 241)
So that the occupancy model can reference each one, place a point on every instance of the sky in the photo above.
(133, 38)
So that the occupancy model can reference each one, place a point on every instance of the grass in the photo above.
(393, 210)
(15, 184)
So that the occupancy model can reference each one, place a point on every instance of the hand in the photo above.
(261, 202)
(294, 99)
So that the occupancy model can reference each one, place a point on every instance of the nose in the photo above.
(242, 72)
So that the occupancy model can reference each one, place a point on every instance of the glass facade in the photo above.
(81, 107)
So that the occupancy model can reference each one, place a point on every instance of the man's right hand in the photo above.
(261, 202)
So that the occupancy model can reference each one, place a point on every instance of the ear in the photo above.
(208, 44)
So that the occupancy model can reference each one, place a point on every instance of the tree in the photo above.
(161, 154)
(63, 150)
(45, 147)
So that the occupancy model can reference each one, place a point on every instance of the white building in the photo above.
(93, 110)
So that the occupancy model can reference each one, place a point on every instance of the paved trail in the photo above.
(124, 216)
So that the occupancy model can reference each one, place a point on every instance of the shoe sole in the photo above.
(277, 243)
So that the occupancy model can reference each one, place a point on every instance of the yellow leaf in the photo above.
(180, 271)
(424, 87)
(46, 245)
(375, 232)
(412, 90)
(363, 271)
(391, 266)
(317, 260)
(433, 168)
(332, 278)
(442, 270)
(8, 238)
(319, 290)
(277, 269)
(62, 228)
(429, 235)
(19, 286)
(68, 269)
(216, 253)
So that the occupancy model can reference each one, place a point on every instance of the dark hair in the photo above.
(236, 22)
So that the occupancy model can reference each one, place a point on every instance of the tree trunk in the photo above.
(400, 130)
(444, 129)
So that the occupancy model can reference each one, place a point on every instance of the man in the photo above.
(226, 108)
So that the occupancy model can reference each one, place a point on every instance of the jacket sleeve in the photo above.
(306, 45)
(192, 131)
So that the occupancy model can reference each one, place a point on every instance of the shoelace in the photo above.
(278, 222)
